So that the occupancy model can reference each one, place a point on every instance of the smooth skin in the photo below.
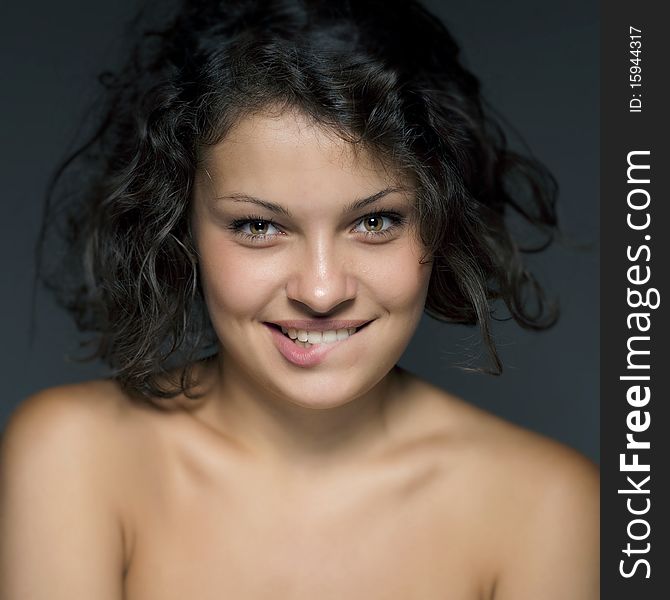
(349, 479)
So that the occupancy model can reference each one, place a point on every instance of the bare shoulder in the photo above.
(87, 433)
(59, 475)
(70, 421)
(537, 501)
(65, 431)
(546, 500)
(69, 411)
(500, 446)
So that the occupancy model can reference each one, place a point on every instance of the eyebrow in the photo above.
(281, 210)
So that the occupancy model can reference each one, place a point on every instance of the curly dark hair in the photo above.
(384, 75)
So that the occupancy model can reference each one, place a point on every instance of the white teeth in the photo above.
(329, 337)
(305, 338)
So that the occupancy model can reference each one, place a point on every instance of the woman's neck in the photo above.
(280, 430)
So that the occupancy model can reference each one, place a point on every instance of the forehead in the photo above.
(288, 158)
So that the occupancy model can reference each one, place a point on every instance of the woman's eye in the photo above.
(375, 224)
(256, 227)
(260, 227)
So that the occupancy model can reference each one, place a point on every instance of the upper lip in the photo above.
(321, 324)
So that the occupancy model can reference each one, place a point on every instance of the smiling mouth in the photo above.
(307, 339)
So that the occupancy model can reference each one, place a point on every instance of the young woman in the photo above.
(277, 192)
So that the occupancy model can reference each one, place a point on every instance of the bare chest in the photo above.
(210, 538)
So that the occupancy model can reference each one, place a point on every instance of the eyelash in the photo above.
(397, 220)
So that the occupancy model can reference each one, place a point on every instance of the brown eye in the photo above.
(258, 227)
(373, 223)
(253, 228)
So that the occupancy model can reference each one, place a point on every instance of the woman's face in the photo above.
(295, 230)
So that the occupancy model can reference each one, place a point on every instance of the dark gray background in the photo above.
(539, 67)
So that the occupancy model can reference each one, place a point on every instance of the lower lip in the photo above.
(302, 357)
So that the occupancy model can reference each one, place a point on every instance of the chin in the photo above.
(320, 403)
(321, 391)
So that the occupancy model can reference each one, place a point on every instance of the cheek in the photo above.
(400, 280)
(234, 282)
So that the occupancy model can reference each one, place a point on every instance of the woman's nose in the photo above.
(321, 279)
